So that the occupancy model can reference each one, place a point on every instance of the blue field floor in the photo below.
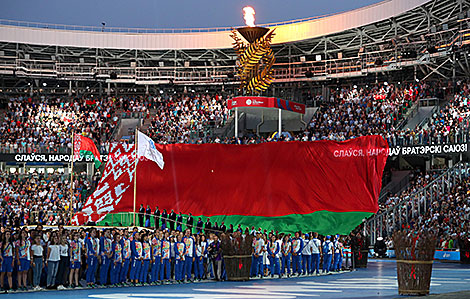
(378, 280)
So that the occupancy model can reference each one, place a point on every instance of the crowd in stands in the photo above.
(38, 258)
(348, 113)
(187, 118)
(46, 124)
(450, 124)
(417, 180)
(362, 111)
(183, 119)
(27, 199)
(444, 210)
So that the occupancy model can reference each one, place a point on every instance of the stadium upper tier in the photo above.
(208, 38)
(388, 36)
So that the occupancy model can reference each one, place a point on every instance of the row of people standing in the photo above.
(92, 257)
(172, 221)
(285, 255)
(115, 257)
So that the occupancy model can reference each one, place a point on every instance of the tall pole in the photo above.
(236, 122)
(279, 129)
(135, 172)
(71, 174)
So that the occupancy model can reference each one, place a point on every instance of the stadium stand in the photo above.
(45, 125)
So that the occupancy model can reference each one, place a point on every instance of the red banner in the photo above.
(265, 102)
(269, 179)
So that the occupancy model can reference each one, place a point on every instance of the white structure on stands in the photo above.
(384, 37)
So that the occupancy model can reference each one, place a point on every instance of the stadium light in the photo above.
(44, 84)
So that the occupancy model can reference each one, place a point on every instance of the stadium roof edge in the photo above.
(197, 38)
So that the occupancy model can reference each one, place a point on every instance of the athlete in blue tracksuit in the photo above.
(327, 254)
(126, 257)
(116, 261)
(306, 255)
(190, 255)
(286, 249)
(273, 255)
(180, 252)
(147, 256)
(297, 247)
(258, 249)
(338, 254)
(166, 258)
(316, 253)
(105, 254)
(201, 250)
(156, 258)
(136, 258)
(92, 248)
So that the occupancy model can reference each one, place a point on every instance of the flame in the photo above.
(249, 16)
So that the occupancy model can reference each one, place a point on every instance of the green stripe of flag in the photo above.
(88, 154)
(322, 222)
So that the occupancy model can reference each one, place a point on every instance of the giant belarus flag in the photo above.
(323, 186)
(84, 147)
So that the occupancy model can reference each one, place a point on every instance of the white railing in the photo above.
(40, 25)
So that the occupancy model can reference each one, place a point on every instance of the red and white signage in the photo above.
(266, 102)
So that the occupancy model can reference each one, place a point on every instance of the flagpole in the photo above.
(135, 172)
(71, 175)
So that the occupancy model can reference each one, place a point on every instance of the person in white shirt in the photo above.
(306, 255)
(315, 244)
(52, 261)
(64, 259)
(38, 257)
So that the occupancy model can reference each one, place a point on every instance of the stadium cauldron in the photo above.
(238, 267)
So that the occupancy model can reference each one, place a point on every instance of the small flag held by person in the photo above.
(84, 147)
(146, 148)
